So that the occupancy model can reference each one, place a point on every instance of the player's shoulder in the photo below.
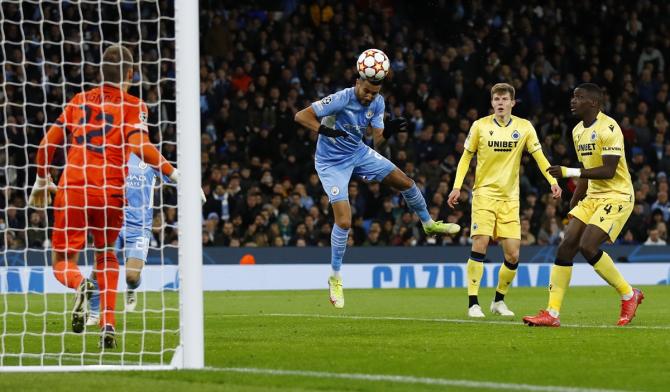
(607, 123)
(521, 122)
(337, 96)
(379, 100)
(129, 99)
(483, 121)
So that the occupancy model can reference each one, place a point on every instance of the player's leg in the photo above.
(93, 317)
(561, 273)
(372, 166)
(416, 202)
(335, 182)
(68, 238)
(475, 271)
(135, 249)
(105, 221)
(610, 216)
(506, 275)
(338, 245)
(482, 228)
(508, 232)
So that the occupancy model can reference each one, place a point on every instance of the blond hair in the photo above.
(502, 88)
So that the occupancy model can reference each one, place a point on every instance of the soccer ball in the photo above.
(373, 65)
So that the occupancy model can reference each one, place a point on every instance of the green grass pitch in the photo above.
(384, 340)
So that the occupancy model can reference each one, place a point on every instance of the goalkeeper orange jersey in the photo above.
(100, 127)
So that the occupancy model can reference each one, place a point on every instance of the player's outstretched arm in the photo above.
(308, 119)
(141, 146)
(543, 164)
(40, 195)
(461, 171)
(604, 172)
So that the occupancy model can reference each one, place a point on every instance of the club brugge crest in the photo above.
(593, 135)
(334, 191)
(369, 114)
(515, 135)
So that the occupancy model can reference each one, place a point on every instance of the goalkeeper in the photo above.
(100, 128)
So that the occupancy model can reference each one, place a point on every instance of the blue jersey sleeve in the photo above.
(331, 104)
(378, 116)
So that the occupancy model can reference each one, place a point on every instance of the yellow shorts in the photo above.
(495, 218)
(608, 214)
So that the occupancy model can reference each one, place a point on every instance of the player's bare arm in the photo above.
(604, 172)
(580, 192)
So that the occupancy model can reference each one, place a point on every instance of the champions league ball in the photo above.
(373, 65)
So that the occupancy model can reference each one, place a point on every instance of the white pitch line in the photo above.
(440, 320)
(412, 380)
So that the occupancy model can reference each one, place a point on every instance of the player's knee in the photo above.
(512, 257)
(132, 277)
(587, 250)
(344, 223)
(405, 183)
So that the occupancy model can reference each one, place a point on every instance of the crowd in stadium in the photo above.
(259, 68)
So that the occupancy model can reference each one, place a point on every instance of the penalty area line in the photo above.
(410, 380)
(441, 320)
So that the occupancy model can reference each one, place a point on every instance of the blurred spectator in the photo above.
(654, 238)
(258, 68)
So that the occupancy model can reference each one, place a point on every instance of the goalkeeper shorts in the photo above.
(77, 213)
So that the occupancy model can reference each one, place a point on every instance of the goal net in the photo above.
(50, 51)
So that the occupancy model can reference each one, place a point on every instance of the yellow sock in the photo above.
(505, 278)
(558, 285)
(606, 269)
(475, 272)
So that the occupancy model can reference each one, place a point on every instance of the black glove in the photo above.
(330, 132)
(393, 126)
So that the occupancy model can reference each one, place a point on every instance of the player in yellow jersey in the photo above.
(499, 140)
(599, 217)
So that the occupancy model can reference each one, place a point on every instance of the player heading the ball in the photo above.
(341, 119)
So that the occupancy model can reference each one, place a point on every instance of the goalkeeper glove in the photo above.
(330, 132)
(174, 177)
(40, 196)
(393, 126)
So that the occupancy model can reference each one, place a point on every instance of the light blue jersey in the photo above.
(135, 234)
(338, 158)
(342, 111)
(140, 182)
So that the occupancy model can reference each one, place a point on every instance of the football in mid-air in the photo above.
(373, 65)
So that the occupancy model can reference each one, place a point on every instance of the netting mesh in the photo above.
(50, 51)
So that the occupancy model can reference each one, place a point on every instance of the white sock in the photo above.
(628, 296)
(553, 313)
(336, 274)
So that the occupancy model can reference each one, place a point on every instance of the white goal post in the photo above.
(50, 48)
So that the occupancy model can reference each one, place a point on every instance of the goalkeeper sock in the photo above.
(338, 244)
(475, 271)
(94, 302)
(67, 272)
(604, 266)
(505, 277)
(559, 280)
(107, 273)
(417, 203)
